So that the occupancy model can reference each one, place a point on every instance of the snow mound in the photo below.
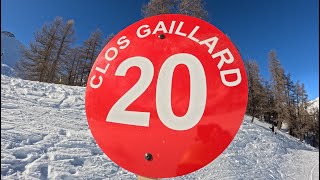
(45, 135)
(8, 71)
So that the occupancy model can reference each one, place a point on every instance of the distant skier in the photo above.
(272, 129)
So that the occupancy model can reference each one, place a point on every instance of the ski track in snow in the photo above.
(45, 135)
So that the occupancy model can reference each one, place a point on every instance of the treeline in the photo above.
(52, 58)
(281, 101)
(194, 8)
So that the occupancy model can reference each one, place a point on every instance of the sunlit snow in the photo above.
(45, 135)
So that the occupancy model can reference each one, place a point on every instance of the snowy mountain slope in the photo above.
(314, 104)
(11, 49)
(45, 135)
(8, 71)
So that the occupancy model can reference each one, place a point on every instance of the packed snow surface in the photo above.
(45, 135)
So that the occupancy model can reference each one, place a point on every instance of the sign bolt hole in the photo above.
(148, 157)
(161, 36)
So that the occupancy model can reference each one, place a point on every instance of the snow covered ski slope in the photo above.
(45, 135)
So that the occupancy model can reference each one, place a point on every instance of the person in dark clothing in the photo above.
(272, 128)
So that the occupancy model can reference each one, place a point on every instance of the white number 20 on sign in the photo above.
(198, 93)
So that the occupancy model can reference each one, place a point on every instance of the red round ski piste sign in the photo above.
(166, 96)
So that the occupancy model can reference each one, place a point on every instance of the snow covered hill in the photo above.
(45, 135)
(314, 104)
(11, 49)
(8, 71)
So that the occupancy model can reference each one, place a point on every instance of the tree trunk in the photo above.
(55, 63)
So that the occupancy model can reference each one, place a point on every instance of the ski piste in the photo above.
(45, 135)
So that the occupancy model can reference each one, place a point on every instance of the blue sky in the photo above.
(291, 27)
